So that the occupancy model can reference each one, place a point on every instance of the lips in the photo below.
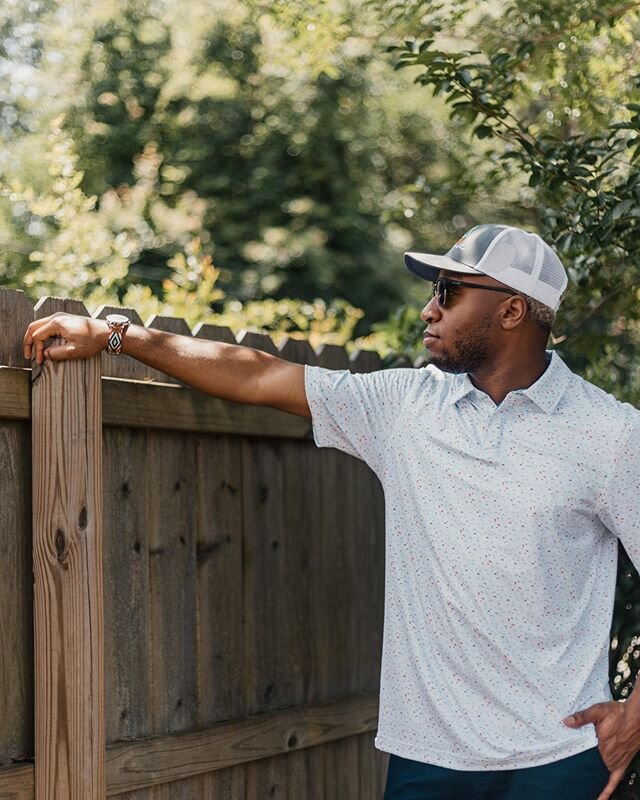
(429, 338)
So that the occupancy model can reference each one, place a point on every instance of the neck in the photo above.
(508, 374)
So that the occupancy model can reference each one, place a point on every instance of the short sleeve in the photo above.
(620, 498)
(356, 412)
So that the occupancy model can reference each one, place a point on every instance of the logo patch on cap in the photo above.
(460, 243)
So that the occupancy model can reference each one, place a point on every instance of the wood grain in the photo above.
(15, 393)
(132, 765)
(16, 593)
(69, 625)
(16, 312)
(218, 485)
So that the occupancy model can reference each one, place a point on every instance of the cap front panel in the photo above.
(473, 245)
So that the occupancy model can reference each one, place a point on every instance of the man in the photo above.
(507, 479)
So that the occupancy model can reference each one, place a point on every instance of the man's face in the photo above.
(462, 336)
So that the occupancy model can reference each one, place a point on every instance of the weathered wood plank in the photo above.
(265, 675)
(171, 522)
(132, 765)
(297, 775)
(167, 407)
(16, 312)
(68, 610)
(218, 484)
(127, 642)
(224, 784)
(17, 783)
(144, 404)
(15, 393)
(266, 779)
(151, 761)
(341, 766)
(16, 593)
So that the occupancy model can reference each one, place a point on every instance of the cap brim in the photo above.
(427, 266)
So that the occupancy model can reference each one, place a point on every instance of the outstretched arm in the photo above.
(228, 371)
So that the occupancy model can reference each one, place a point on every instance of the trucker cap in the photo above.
(516, 258)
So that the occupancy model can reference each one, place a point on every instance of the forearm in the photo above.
(228, 371)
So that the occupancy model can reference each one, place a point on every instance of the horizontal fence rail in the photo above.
(150, 762)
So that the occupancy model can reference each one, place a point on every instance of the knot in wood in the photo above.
(83, 519)
(61, 545)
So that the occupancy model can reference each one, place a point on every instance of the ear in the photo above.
(513, 312)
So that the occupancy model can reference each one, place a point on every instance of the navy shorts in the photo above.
(580, 777)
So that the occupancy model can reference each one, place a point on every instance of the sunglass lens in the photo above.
(441, 292)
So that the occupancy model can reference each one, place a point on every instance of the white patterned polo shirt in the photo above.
(501, 550)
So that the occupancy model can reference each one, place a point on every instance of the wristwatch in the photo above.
(118, 325)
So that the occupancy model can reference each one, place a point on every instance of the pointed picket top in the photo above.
(123, 366)
(51, 305)
(299, 351)
(215, 333)
(259, 341)
(333, 356)
(365, 361)
(169, 324)
(16, 312)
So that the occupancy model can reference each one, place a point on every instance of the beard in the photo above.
(466, 353)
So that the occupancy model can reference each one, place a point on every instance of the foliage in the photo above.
(277, 134)
(89, 251)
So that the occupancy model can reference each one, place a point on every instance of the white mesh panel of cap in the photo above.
(551, 272)
(504, 254)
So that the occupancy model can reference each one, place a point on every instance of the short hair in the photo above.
(544, 316)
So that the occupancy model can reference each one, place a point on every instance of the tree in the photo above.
(278, 135)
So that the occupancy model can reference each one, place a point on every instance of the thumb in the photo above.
(588, 716)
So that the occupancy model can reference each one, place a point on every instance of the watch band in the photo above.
(118, 325)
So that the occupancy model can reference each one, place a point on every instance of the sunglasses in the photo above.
(442, 285)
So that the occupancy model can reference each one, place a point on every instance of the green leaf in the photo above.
(483, 131)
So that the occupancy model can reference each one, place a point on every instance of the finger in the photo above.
(61, 352)
(40, 331)
(587, 716)
(30, 334)
(40, 348)
(613, 781)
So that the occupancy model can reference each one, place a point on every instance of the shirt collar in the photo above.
(546, 392)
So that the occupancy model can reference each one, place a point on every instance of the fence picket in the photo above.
(68, 599)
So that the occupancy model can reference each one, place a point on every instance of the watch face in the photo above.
(117, 319)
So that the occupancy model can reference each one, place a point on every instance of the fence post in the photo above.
(68, 593)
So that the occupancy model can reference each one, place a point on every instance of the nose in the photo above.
(431, 311)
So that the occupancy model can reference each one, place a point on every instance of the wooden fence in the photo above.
(238, 635)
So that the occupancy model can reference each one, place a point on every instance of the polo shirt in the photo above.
(501, 549)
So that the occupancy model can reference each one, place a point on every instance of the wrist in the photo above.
(117, 326)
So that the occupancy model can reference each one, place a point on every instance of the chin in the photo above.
(447, 366)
